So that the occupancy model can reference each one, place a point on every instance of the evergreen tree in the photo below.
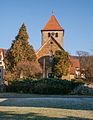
(22, 35)
(20, 50)
(61, 63)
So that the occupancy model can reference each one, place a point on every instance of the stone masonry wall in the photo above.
(60, 38)
(47, 47)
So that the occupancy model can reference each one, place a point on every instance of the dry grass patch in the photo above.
(41, 113)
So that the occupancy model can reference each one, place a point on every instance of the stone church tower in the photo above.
(52, 40)
(52, 28)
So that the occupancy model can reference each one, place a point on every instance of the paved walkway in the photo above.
(52, 102)
(44, 107)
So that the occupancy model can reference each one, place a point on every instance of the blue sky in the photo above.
(75, 16)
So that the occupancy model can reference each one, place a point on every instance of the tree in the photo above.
(20, 50)
(61, 63)
(25, 69)
(86, 63)
(22, 35)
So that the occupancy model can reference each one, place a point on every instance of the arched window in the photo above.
(48, 34)
(56, 35)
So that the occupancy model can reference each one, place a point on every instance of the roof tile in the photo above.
(52, 24)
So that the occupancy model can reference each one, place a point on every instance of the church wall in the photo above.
(45, 50)
(68, 77)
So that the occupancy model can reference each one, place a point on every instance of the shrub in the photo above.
(83, 90)
(43, 86)
(19, 86)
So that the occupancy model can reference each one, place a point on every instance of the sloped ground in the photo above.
(46, 108)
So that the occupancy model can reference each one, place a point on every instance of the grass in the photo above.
(33, 113)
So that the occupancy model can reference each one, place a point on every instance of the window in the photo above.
(51, 43)
(56, 34)
(48, 34)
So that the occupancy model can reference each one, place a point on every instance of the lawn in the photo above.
(34, 113)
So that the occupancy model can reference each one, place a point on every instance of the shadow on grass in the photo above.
(10, 115)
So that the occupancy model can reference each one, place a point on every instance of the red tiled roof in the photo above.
(74, 64)
(1, 50)
(52, 24)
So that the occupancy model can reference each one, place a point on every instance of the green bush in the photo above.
(19, 86)
(43, 86)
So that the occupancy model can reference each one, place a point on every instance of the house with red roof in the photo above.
(74, 68)
(2, 65)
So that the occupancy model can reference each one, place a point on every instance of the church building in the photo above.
(52, 40)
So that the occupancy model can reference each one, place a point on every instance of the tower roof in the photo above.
(53, 24)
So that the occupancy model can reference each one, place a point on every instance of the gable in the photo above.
(50, 45)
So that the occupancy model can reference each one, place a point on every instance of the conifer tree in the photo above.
(60, 63)
(22, 35)
(20, 50)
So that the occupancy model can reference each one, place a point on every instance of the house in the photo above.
(2, 66)
(52, 40)
(74, 68)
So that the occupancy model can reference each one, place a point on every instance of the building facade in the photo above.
(2, 66)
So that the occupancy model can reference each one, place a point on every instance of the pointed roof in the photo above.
(53, 24)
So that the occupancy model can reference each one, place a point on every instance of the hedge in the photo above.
(42, 86)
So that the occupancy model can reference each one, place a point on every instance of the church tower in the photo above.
(53, 28)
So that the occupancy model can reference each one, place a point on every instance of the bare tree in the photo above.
(24, 69)
(86, 65)
(28, 69)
